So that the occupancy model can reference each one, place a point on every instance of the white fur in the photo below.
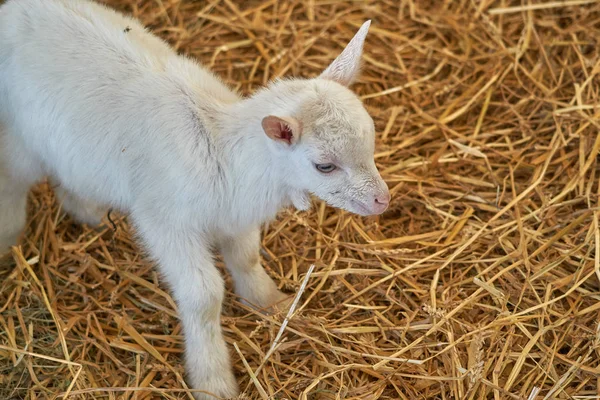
(117, 119)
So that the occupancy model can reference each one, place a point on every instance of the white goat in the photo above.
(116, 118)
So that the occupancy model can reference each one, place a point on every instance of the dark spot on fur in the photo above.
(127, 30)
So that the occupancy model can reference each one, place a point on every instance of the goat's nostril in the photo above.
(383, 199)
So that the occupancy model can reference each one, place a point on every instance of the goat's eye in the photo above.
(325, 168)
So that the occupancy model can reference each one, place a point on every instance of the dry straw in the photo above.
(481, 281)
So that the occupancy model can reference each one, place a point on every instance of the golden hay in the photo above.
(481, 281)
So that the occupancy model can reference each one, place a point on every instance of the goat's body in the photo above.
(117, 119)
(160, 112)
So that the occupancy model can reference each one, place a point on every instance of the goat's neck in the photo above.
(256, 177)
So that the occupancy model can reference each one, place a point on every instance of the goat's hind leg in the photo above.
(18, 172)
(13, 201)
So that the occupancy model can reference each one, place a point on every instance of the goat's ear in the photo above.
(346, 67)
(285, 130)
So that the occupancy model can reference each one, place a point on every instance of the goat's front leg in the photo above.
(252, 284)
(198, 289)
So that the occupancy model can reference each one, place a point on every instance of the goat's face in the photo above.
(326, 138)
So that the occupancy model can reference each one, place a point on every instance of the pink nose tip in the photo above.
(382, 202)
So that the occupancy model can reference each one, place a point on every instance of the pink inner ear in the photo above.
(286, 133)
(282, 130)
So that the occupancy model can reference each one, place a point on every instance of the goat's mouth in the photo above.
(360, 209)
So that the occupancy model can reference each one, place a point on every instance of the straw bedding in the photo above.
(481, 281)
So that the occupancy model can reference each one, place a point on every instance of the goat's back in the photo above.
(108, 109)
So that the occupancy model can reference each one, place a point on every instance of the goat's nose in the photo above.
(382, 201)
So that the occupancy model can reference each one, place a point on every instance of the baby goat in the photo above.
(116, 118)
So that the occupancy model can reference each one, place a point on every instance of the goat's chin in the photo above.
(358, 210)
(352, 207)
(300, 199)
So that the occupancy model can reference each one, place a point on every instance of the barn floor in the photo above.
(482, 281)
